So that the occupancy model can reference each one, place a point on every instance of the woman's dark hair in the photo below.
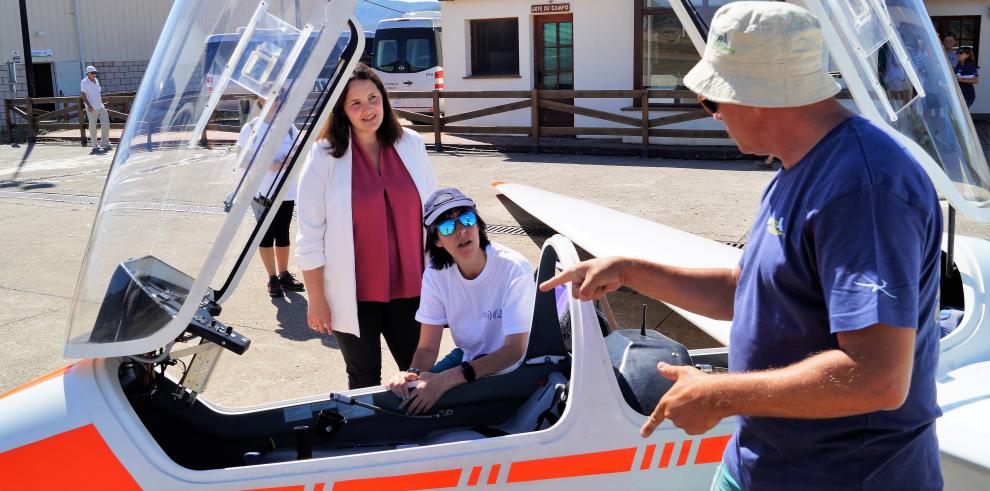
(969, 59)
(439, 257)
(337, 131)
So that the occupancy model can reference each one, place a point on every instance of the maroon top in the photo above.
(388, 230)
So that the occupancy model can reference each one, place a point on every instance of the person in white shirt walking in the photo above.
(91, 93)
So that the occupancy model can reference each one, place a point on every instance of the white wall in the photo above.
(937, 8)
(456, 17)
(113, 30)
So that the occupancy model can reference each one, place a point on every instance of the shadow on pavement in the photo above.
(24, 159)
(526, 221)
(291, 317)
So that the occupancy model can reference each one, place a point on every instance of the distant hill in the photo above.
(369, 14)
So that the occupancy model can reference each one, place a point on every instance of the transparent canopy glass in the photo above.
(895, 69)
(174, 222)
(901, 78)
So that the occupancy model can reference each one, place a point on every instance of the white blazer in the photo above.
(326, 233)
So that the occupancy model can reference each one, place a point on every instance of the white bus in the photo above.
(407, 57)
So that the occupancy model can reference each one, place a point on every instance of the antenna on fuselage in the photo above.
(642, 327)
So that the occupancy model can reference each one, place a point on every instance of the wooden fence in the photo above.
(642, 126)
(25, 113)
(437, 122)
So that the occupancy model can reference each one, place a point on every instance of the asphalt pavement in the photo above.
(48, 197)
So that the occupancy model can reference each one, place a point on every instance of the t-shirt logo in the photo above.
(492, 314)
(875, 287)
(775, 227)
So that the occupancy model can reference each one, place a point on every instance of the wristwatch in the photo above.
(414, 371)
(468, 371)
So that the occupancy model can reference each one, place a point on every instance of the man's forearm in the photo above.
(709, 292)
(829, 384)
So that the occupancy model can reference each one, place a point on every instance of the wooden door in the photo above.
(554, 44)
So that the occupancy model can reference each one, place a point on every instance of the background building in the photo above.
(592, 44)
(487, 45)
(117, 36)
(66, 35)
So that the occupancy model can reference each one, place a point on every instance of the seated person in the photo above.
(485, 292)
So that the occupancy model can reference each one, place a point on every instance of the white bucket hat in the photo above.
(91, 69)
(763, 54)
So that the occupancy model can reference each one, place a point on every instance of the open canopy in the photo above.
(173, 228)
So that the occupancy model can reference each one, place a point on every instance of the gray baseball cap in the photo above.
(441, 201)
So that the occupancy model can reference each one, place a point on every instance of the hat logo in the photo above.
(442, 198)
(721, 43)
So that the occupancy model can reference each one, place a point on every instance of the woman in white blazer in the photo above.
(360, 240)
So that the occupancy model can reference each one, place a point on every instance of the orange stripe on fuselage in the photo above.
(475, 474)
(38, 380)
(68, 460)
(607, 462)
(300, 487)
(407, 482)
(648, 457)
(711, 449)
(685, 450)
(668, 450)
(493, 474)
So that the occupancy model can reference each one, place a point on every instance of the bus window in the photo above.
(405, 50)
(386, 54)
(418, 54)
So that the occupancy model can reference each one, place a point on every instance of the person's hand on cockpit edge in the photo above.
(427, 393)
(399, 384)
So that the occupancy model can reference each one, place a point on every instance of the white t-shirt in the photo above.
(483, 311)
(283, 151)
(94, 93)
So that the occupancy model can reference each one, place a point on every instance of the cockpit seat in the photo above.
(540, 411)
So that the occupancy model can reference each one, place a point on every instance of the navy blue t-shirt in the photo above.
(847, 238)
(968, 90)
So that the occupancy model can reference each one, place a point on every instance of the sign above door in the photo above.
(550, 8)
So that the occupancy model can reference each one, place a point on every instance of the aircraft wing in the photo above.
(606, 232)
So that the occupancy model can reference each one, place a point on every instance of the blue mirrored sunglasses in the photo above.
(467, 219)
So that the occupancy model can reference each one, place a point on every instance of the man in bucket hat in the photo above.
(834, 305)
(92, 96)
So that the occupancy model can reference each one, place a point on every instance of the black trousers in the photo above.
(396, 322)
(278, 230)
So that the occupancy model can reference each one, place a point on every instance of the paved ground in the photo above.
(47, 204)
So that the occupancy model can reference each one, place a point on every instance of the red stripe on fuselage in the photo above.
(65, 461)
(607, 462)
(407, 482)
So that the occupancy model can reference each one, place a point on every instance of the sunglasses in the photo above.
(711, 107)
(467, 219)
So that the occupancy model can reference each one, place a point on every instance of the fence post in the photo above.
(437, 144)
(535, 119)
(8, 114)
(82, 122)
(644, 102)
(30, 118)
